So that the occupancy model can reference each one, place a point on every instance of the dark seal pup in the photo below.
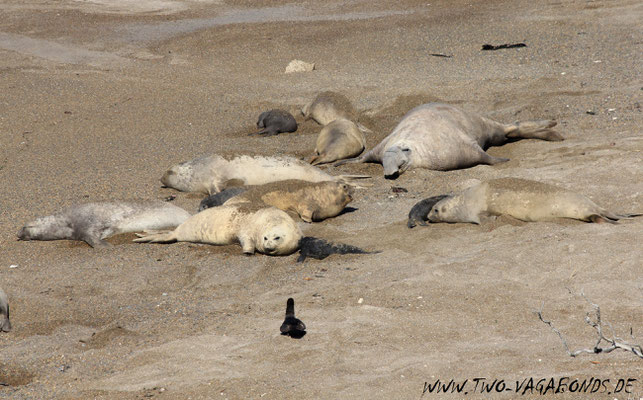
(292, 326)
(444, 137)
(276, 121)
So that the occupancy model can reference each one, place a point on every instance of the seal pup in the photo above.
(93, 222)
(327, 107)
(444, 137)
(212, 174)
(266, 230)
(338, 140)
(5, 324)
(276, 121)
(320, 249)
(292, 326)
(420, 211)
(311, 201)
(217, 199)
(522, 199)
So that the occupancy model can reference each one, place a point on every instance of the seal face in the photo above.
(212, 174)
(93, 222)
(276, 121)
(522, 199)
(266, 230)
(338, 140)
(5, 324)
(327, 107)
(312, 201)
(443, 137)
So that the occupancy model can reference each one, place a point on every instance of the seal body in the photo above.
(266, 230)
(312, 201)
(420, 211)
(338, 140)
(443, 137)
(212, 174)
(93, 222)
(522, 199)
(5, 324)
(218, 199)
(327, 107)
(276, 121)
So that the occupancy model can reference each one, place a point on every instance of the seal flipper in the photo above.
(5, 326)
(156, 237)
(490, 160)
(320, 249)
(420, 211)
(533, 130)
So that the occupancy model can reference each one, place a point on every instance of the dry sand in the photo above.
(100, 97)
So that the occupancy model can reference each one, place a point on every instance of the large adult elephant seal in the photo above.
(212, 174)
(276, 121)
(443, 137)
(5, 324)
(327, 107)
(93, 222)
(338, 140)
(312, 201)
(266, 230)
(522, 199)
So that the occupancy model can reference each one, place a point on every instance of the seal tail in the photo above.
(320, 249)
(364, 158)
(533, 130)
(156, 237)
(351, 180)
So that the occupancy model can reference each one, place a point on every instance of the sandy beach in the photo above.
(99, 98)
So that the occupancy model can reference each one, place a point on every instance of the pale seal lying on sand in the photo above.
(212, 174)
(5, 324)
(327, 107)
(338, 140)
(443, 137)
(266, 230)
(93, 222)
(312, 201)
(521, 199)
(276, 121)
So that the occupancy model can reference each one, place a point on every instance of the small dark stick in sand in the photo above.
(292, 326)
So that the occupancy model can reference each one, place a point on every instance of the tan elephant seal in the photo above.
(312, 201)
(212, 174)
(444, 137)
(522, 199)
(338, 140)
(93, 222)
(327, 107)
(5, 324)
(266, 230)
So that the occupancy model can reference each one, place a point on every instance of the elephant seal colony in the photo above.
(93, 222)
(212, 174)
(522, 199)
(312, 201)
(276, 121)
(5, 323)
(266, 230)
(338, 140)
(444, 137)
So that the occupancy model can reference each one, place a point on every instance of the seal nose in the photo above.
(22, 234)
(165, 179)
(391, 167)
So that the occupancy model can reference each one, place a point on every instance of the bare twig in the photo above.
(615, 342)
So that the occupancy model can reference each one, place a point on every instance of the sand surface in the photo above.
(99, 98)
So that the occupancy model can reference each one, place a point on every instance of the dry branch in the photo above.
(597, 324)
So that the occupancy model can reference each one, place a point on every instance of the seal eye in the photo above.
(406, 149)
(277, 237)
(265, 238)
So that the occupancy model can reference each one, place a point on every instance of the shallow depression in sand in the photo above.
(164, 30)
